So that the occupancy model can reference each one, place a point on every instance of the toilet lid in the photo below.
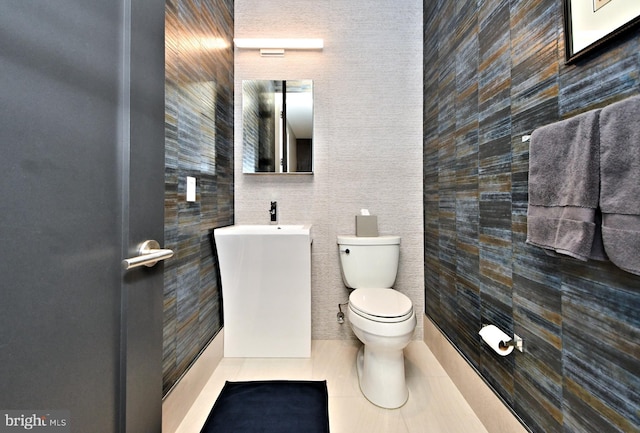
(383, 305)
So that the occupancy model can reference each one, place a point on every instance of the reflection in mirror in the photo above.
(277, 126)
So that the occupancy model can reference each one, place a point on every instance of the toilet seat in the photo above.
(381, 305)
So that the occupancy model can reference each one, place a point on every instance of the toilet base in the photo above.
(381, 377)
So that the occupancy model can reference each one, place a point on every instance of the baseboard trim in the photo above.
(179, 400)
(490, 409)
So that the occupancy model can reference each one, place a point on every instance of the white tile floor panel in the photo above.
(435, 405)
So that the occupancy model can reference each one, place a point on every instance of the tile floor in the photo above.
(435, 405)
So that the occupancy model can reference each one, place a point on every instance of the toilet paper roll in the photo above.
(493, 336)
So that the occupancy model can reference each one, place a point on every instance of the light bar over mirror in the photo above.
(277, 46)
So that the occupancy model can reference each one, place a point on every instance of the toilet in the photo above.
(381, 317)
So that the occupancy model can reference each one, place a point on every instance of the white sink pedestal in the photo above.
(266, 290)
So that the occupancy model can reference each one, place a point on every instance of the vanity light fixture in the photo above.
(276, 47)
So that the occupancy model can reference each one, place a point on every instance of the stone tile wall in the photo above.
(493, 71)
(198, 143)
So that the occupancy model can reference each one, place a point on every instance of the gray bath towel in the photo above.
(620, 178)
(564, 187)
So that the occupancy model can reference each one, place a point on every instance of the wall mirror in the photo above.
(277, 126)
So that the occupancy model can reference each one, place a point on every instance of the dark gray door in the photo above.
(82, 157)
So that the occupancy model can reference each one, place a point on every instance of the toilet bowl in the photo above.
(382, 318)
(380, 361)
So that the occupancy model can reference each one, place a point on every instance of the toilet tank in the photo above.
(369, 261)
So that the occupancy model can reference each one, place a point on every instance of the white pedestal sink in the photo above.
(266, 289)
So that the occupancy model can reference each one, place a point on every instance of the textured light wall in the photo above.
(367, 134)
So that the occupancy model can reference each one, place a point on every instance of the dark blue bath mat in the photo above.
(271, 406)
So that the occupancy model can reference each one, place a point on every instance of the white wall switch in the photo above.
(191, 188)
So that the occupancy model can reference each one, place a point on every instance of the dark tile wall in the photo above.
(198, 143)
(494, 71)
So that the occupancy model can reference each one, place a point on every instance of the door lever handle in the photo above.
(150, 253)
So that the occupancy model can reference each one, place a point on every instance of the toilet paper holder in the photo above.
(517, 342)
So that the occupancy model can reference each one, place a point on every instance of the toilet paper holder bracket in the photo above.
(517, 343)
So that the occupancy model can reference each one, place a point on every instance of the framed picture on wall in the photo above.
(588, 24)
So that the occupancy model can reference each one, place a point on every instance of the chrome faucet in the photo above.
(274, 212)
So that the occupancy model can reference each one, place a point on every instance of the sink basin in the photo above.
(266, 289)
(276, 229)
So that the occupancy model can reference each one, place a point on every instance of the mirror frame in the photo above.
(264, 139)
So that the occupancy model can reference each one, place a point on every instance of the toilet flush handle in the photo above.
(345, 250)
